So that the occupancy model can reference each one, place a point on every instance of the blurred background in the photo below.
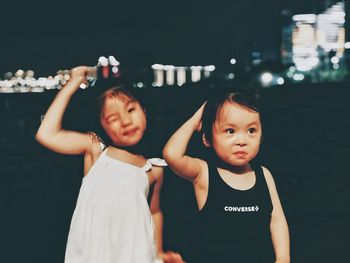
(295, 54)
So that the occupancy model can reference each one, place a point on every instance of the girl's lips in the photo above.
(130, 132)
(240, 153)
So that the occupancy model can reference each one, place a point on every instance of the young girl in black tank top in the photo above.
(241, 217)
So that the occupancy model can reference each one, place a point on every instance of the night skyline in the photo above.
(46, 37)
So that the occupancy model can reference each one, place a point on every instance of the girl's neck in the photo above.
(239, 170)
(125, 151)
(137, 149)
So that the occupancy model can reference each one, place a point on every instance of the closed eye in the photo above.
(131, 109)
(112, 118)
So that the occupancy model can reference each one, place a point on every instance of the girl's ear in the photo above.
(205, 141)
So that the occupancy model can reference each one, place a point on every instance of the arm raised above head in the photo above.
(50, 133)
(174, 151)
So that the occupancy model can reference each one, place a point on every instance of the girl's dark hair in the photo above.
(217, 100)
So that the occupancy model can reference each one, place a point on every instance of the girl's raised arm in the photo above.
(174, 151)
(50, 133)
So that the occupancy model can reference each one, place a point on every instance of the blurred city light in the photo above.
(313, 49)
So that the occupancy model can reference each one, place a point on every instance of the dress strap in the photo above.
(154, 162)
(103, 147)
(98, 139)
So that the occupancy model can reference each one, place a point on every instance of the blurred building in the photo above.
(316, 41)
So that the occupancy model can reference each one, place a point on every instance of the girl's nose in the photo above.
(240, 140)
(126, 120)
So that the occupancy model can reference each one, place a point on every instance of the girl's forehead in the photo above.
(117, 101)
(235, 113)
(115, 104)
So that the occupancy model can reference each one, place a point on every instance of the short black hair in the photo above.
(215, 102)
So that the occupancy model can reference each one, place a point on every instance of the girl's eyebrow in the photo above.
(128, 103)
(231, 124)
(253, 123)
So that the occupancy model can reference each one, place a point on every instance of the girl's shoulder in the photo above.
(97, 144)
(268, 178)
(94, 151)
(155, 167)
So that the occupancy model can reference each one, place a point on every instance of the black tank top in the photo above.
(234, 225)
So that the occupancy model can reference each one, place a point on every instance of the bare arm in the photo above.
(174, 151)
(278, 226)
(157, 215)
(50, 133)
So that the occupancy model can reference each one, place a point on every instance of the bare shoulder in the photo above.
(96, 144)
(272, 189)
(202, 179)
(268, 176)
(93, 151)
(277, 211)
(157, 173)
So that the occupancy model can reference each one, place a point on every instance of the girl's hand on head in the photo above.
(171, 257)
(197, 118)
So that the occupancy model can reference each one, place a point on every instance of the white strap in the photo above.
(154, 161)
(102, 146)
(157, 162)
(96, 138)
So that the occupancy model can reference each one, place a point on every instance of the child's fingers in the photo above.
(79, 72)
(201, 108)
(199, 127)
(172, 257)
(198, 117)
(78, 75)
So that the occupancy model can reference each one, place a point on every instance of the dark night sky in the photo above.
(47, 36)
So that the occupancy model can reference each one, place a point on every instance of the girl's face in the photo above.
(124, 120)
(236, 134)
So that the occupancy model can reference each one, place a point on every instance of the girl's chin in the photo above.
(128, 143)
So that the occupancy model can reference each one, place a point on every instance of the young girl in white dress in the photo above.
(112, 220)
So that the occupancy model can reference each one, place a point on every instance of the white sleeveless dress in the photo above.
(112, 222)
